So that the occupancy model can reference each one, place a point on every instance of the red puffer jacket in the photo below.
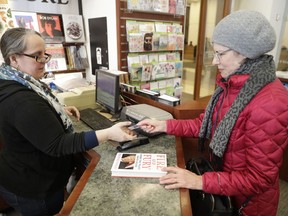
(255, 148)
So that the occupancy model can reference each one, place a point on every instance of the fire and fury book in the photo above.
(142, 165)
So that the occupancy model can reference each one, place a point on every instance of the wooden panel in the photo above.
(283, 173)
(94, 158)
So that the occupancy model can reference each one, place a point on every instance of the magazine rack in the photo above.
(123, 14)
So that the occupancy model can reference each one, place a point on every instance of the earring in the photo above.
(17, 68)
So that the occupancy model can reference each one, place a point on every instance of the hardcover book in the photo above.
(73, 28)
(142, 165)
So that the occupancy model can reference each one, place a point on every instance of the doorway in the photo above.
(199, 75)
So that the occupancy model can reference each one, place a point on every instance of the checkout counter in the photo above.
(103, 195)
(106, 195)
(100, 194)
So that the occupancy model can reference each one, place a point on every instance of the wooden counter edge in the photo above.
(186, 209)
(94, 158)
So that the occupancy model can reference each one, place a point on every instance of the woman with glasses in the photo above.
(245, 121)
(35, 129)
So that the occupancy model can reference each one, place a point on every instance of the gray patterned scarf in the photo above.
(262, 72)
(9, 73)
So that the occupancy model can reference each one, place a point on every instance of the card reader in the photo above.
(140, 140)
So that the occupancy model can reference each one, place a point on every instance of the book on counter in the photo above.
(142, 165)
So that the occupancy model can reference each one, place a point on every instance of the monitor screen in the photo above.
(108, 90)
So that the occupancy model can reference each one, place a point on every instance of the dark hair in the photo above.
(48, 19)
(14, 41)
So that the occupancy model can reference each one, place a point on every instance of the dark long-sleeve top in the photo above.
(37, 157)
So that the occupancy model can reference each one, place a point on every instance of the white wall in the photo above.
(101, 8)
(274, 10)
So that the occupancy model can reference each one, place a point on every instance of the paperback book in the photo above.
(142, 165)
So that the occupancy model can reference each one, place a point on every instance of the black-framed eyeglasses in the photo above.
(219, 54)
(46, 58)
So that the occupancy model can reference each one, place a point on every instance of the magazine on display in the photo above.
(142, 165)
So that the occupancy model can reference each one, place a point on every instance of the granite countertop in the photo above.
(105, 196)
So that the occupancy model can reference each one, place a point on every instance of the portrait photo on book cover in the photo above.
(50, 27)
(127, 161)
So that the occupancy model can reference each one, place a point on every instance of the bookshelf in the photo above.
(124, 15)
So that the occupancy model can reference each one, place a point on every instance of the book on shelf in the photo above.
(50, 27)
(6, 21)
(169, 100)
(25, 20)
(58, 59)
(77, 57)
(73, 28)
(142, 165)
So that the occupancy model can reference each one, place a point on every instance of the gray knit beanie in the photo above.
(247, 32)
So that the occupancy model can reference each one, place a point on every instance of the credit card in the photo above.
(134, 127)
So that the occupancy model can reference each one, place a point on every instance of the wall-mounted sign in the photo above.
(45, 6)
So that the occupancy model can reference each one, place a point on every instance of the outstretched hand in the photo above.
(152, 126)
(117, 132)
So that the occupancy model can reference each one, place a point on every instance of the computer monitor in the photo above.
(108, 90)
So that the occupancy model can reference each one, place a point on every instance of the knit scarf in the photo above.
(9, 73)
(262, 72)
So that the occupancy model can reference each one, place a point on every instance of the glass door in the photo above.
(199, 75)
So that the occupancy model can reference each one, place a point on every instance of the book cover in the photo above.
(142, 165)
(58, 60)
(136, 41)
(73, 28)
(50, 27)
(133, 4)
(6, 20)
(161, 6)
(25, 20)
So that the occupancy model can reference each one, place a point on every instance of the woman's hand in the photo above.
(180, 178)
(117, 132)
(72, 111)
(152, 126)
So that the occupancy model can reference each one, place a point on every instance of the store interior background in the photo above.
(214, 15)
(275, 10)
(272, 9)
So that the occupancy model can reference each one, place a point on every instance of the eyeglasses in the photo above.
(219, 54)
(39, 59)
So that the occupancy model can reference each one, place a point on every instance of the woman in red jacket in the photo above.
(246, 119)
